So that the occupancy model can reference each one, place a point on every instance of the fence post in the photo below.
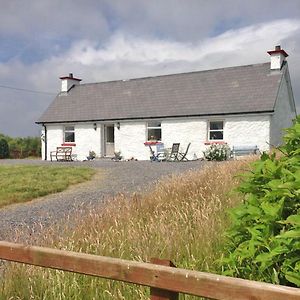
(159, 294)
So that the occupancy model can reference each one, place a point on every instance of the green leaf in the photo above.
(293, 277)
(293, 219)
(265, 232)
(290, 234)
(272, 209)
(273, 184)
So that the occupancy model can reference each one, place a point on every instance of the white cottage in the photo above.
(244, 105)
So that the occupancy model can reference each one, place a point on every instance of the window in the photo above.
(154, 131)
(69, 134)
(215, 131)
(110, 134)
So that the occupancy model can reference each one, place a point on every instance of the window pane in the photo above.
(154, 134)
(69, 137)
(110, 134)
(216, 135)
(216, 125)
(154, 124)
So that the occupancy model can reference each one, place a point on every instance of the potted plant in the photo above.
(92, 155)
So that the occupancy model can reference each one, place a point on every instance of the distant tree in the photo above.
(4, 149)
(22, 147)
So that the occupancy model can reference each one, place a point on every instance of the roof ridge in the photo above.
(169, 75)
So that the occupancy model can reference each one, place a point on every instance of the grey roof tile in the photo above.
(242, 89)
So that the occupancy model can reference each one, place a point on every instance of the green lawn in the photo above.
(24, 183)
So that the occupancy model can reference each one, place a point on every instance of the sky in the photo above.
(102, 40)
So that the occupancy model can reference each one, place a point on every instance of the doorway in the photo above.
(109, 140)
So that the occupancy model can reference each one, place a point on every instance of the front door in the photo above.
(109, 140)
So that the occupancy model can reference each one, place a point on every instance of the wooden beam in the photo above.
(159, 294)
(173, 279)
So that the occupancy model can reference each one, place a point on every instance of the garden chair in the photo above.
(160, 156)
(174, 152)
(182, 155)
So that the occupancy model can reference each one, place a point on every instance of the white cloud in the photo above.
(251, 41)
(128, 56)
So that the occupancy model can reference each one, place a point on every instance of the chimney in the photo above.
(277, 57)
(68, 81)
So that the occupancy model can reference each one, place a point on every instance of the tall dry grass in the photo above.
(181, 219)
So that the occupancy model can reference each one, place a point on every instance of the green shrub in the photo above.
(23, 147)
(264, 239)
(217, 152)
(4, 149)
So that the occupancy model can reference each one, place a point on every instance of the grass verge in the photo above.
(182, 219)
(23, 183)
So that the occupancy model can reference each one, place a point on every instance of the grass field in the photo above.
(23, 183)
(182, 219)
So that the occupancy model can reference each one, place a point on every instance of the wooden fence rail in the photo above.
(147, 274)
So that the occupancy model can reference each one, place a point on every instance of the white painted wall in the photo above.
(130, 139)
(87, 139)
(284, 112)
(238, 130)
(131, 136)
(277, 60)
(54, 138)
(67, 83)
(192, 131)
(248, 130)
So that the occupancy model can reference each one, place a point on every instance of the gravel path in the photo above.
(111, 178)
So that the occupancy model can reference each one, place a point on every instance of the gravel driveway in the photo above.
(111, 178)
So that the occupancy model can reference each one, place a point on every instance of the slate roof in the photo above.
(234, 90)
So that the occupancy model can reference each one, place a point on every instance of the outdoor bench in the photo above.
(62, 154)
(244, 150)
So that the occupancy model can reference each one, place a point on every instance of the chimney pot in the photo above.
(277, 48)
(71, 74)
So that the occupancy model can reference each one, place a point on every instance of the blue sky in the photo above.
(100, 40)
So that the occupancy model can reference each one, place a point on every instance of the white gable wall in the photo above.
(54, 138)
(284, 112)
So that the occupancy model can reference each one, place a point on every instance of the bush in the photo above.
(264, 239)
(217, 152)
(23, 147)
(4, 149)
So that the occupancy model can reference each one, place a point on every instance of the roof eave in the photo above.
(159, 117)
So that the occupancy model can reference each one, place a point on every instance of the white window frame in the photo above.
(215, 130)
(68, 130)
(153, 127)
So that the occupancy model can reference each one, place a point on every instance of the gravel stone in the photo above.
(111, 179)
